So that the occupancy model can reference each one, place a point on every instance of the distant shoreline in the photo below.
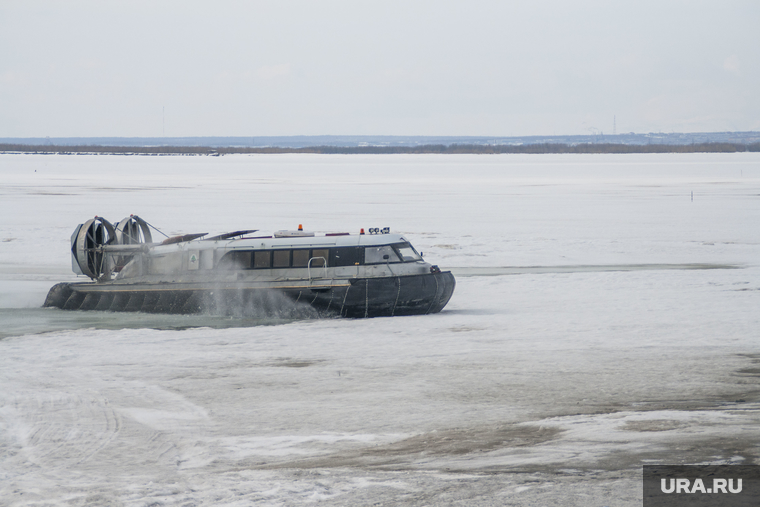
(452, 149)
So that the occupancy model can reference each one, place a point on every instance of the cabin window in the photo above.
(318, 262)
(262, 259)
(346, 256)
(407, 253)
(377, 255)
(281, 259)
(300, 258)
(235, 260)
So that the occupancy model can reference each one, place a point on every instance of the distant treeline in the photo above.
(371, 150)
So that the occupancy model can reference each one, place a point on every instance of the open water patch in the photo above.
(583, 268)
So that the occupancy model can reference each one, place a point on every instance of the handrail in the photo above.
(324, 266)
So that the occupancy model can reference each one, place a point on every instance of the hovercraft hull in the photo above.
(354, 298)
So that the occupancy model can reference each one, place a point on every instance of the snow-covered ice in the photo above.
(602, 320)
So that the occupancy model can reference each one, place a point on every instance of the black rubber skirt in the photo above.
(361, 298)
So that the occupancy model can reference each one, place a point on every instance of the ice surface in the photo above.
(602, 320)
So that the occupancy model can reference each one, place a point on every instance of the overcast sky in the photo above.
(309, 67)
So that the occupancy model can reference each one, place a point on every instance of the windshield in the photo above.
(407, 253)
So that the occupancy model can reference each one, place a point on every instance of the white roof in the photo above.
(294, 242)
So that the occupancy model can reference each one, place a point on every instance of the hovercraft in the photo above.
(348, 275)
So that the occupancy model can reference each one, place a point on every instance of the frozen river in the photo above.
(603, 319)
